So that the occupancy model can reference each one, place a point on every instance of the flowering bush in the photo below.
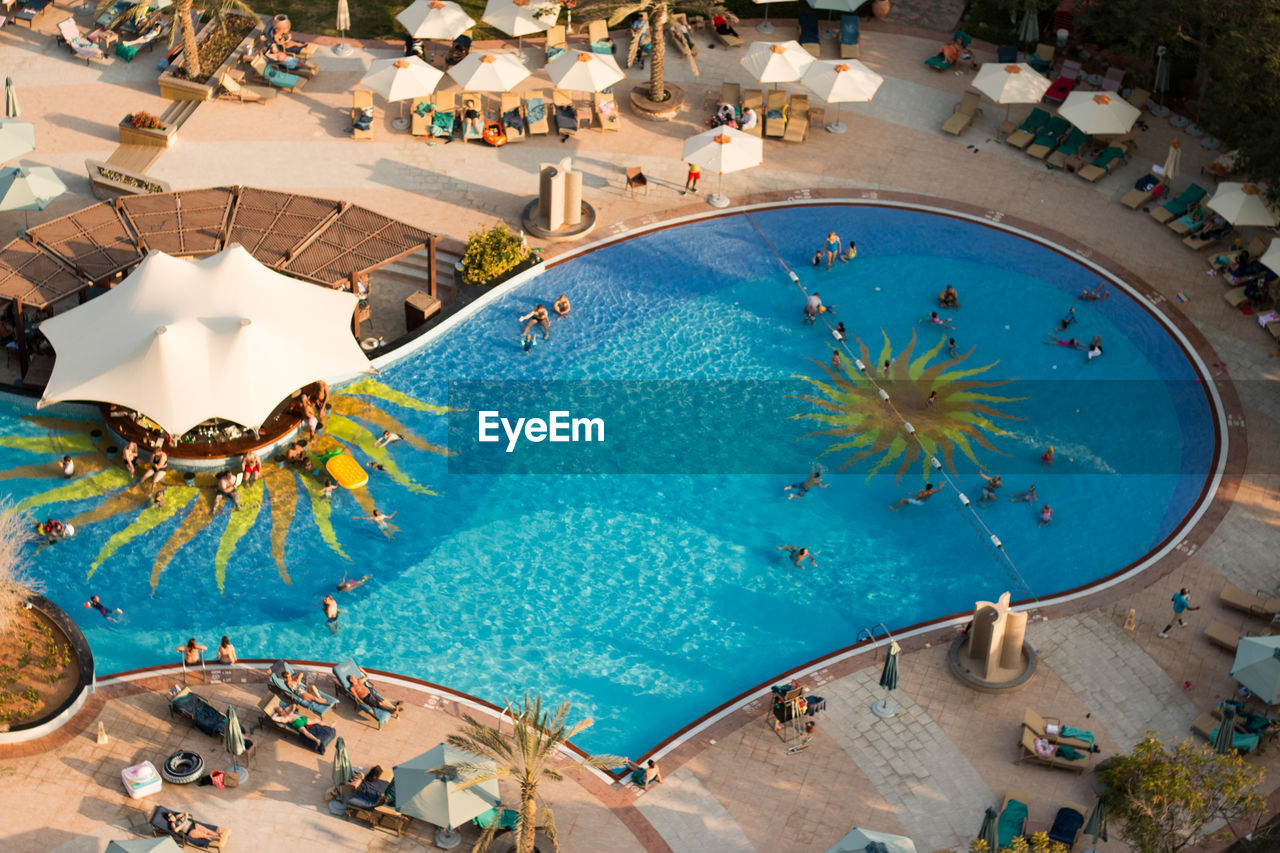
(145, 121)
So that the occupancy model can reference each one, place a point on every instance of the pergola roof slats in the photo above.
(35, 278)
(189, 222)
(94, 240)
(358, 240)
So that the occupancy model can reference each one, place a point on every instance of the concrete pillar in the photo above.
(572, 198)
(551, 197)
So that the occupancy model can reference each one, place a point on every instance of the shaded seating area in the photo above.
(1071, 147)
(1047, 137)
(373, 803)
(1206, 725)
(1026, 132)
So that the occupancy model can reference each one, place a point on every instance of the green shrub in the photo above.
(490, 253)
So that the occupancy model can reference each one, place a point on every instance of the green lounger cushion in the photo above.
(126, 51)
(1012, 820)
(1034, 121)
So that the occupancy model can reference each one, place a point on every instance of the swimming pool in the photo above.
(651, 589)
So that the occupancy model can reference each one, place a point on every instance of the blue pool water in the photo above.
(651, 594)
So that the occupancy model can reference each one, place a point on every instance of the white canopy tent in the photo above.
(185, 341)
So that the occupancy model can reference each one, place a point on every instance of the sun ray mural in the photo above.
(358, 415)
(962, 414)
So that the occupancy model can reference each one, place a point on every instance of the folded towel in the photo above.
(1068, 752)
(1078, 734)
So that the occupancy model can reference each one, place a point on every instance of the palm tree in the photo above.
(525, 757)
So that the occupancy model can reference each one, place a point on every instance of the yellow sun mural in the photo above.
(959, 416)
(355, 421)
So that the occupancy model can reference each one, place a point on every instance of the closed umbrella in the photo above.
(437, 797)
(1271, 258)
(723, 149)
(233, 742)
(401, 79)
(16, 138)
(1162, 70)
(11, 108)
(776, 62)
(1098, 113)
(489, 72)
(1010, 83)
(1029, 29)
(841, 82)
(587, 72)
(1173, 161)
(1224, 739)
(987, 833)
(435, 19)
(1243, 204)
(342, 25)
(1096, 825)
(886, 707)
(764, 27)
(1257, 667)
(869, 841)
(341, 764)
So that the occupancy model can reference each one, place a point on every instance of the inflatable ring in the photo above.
(182, 768)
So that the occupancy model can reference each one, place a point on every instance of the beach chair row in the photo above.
(1052, 139)
(442, 115)
(1068, 821)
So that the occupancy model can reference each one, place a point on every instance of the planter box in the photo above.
(109, 180)
(181, 89)
(528, 263)
(130, 135)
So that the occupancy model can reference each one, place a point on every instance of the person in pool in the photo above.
(849, 253)
(95, 603)
(129, 456)
(1046, 515)
(1029, 496)
(1047, 457)
(386, 438)
(952, 349)
(331, 611)
(933, 399)
(832, 248)
(561, 306)
(937, 321)
(537, 317)
(1098, 293)
(1095, 349)
(814, 480)
(348, 585)
(191, 651)
(812, 308)
(1066, 321)
(989, 487)
(381, 519)
(948, 298)
(797, 554)
(817, 258)
(835, 359)
(1055, 341)
(921, 496)
(840, 332)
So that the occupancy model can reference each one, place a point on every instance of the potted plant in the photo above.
(143, 128)
(493, 255)
(217, 47)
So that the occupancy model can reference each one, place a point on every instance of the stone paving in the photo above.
(733, 787)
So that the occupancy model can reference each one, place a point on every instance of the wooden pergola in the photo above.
(329, 243)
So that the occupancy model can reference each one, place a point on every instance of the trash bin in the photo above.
(419, 307)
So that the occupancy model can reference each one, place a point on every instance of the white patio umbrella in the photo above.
(776, 62)
(1271, 257)
(1173, 161)
(1010, 83)
(764, 27)
(400, 79)
(868, 840)
(437, 798)
(723, 149)
(342, 25)
(11, 108)
(489, 72)
(23, 188)
(1098, 113)
(1243, 204)
(16, 138)
(837, 5)
(1257, 667)
(521, 17)
(185, 341)
(435, 19)
(839, 82)
(588, 72)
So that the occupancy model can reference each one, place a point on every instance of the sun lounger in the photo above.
(1061, 87)
(1039, 726)
(1138, 98)
(775, 114)
(200, 713)
(1104, 164)
(373, 803)
(1048, 137)
(939, 61)
(504, 818)
(797, 120)
(726, 34)
(1013, 817)
(849, 36)
(159, 824)
(470, 130)
(556, 44)
(1070, 147)
(32, 10)
(278, 686)
(1200, 242)
(442, 117)
(1143, 191)
(598, 34)
(1222, 635)
(420, 110)
(535, 110)
(1187, 223)
(607, 111)
(566, 113)
(70, 35)
(1206, 725)
(512, 116)
(1174, 208)
(1042, 60)
(342, 677)
(325, 734)
(1026, 132)
(963, 115)
(233, 88)
(1067, 824)
(754, 98)
(274, 76)
(809, 37)
(1027, 743)
(361, 124)
(731, 93)
(1255, 605)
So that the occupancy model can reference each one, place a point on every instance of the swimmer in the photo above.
(1095, 295)
(95, 603)
(812, 308)
(937, 321)
(381, 519)
(835, 359)
(814, 479)
(156, 469)
(561, 306)
(529, 342)
(849, 253)
(948, 298)
(817, 258)
(1046, 515)
(129, 456)
(348, 585)
(833, 248)
(1066, 321)
(839, 332)
(157, 499)
(1029, 496)
(377, 466)
(387, 437)
(331, 611)
(1095, 349)
(921, 496)
(1047, 457)
(798, 554)
(537, 317)
(952, 349)
(933, 398)
(68, 466)
(885, 369)
(297, 455)
(989, 487)
(328, 488)
(1055, 341)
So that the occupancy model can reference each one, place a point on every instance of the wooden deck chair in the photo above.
(1042, 60)
(607, 111)
(1222, 635)
(536, 108)
(444, 116)
(1199, 242)
(963, 114)
(70, 35)
(636, 178)
(1026, 132)
(566, 116)
(1104, 164)
(1068, 821)
(512, 109)
(726, 34)
(1049, 137)
(598, 35)
(470, 101)
(556, 44)
(420, 110)
(775, 114)
(1112, 80)
(730, 93)
(1012, 822)
(1136, 198)
(754, 98)
(849, 37)
(1139, 98)
(1039, 726)
(809, 38)
(1027, 744)
(797, 120)
(1255, 605)
(274, 76)
(685, 45)
(362, 115)
(233, 88)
